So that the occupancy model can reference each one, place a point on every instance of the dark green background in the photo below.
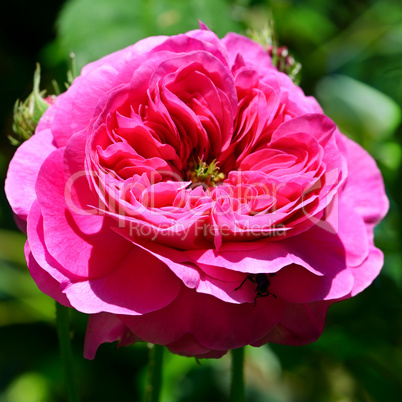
(351, 52)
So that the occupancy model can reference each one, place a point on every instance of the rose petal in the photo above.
(214, 323)
(253, 53)
(23, 171)
(104, 327)
(188, 345)
(46, 283)
(365, 274)
(80, 243)
(138, 285)
(364, 188)
(300, 324)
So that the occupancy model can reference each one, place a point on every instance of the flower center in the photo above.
(201, 173)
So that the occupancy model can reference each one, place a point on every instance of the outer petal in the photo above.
(298, 102)
(106, 327)
(189, 346)
(368, 271)
(253, 53)
(23, 171)
(139, 284)
(76, 107)
(364, 189)
(39, 251)
(297, 285)
(80, 243)
(194, 41)
(250, 257)
(215, 324)
(299, 325)
(46, 283)
(61, 127)
(103, 328)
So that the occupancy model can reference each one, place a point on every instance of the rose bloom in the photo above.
(185, 192)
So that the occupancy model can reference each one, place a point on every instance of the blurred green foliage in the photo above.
(351, 53)
(94, 29)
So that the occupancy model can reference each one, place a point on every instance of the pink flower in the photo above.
(186, 193)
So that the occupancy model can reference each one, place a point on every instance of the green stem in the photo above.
(63, 332)
(237, 391)
(154, 383)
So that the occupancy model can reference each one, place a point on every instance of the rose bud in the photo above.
(28, 113)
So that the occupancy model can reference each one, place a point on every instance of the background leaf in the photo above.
(92, 29)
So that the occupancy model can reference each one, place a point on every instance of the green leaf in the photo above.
(358, 109)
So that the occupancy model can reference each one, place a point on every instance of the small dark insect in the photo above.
(261, 285)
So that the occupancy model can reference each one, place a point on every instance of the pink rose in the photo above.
(184, 192)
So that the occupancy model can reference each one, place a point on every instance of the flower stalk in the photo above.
(154, 380)
(237, 388)
(63, 331)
